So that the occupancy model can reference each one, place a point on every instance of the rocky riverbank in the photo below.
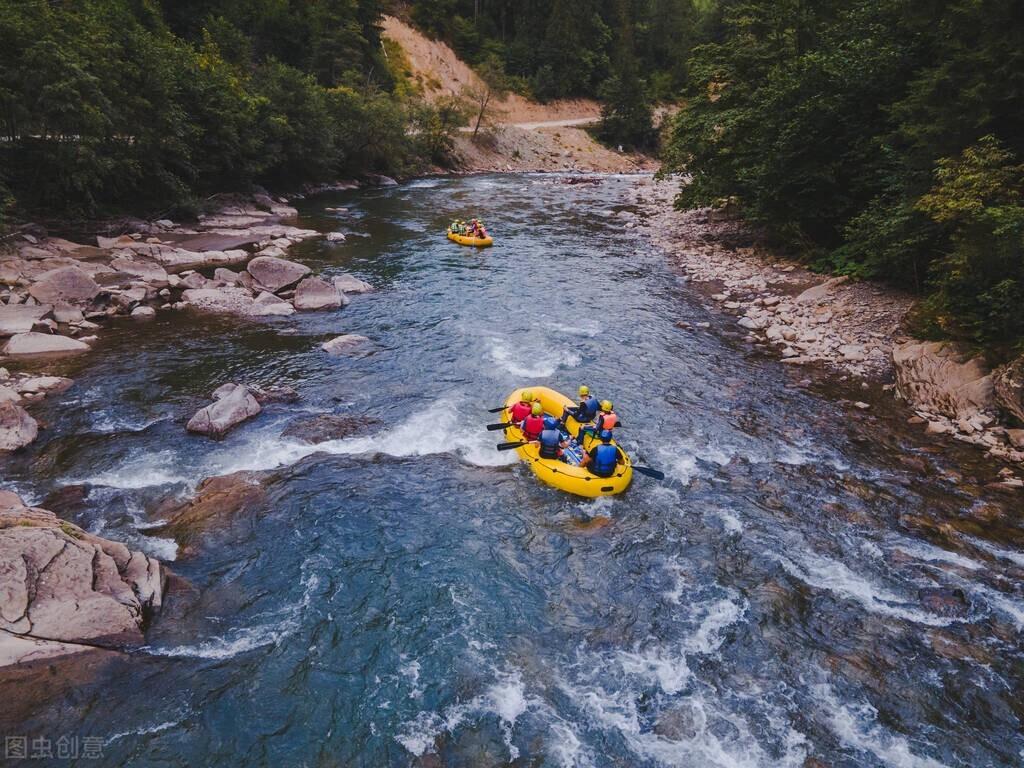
(853, 328)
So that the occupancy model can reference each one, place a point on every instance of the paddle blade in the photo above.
(656, 474)
(496, 410)
(495, 427)
(510, 446)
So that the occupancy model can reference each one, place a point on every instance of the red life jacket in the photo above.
(520, 411)
(607, 421)
(532, 427)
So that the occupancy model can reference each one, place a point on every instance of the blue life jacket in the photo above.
(603, 460)
(587, 410)
(549, 440)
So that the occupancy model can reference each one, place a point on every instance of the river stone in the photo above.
(944, 601)
(314, 294)
(216, 500)
(43, 344)
(941, 377)
(274, 273)
(335, 237)
(351, 284)
(8, 395)
(17, 428)
(51, 385)
(65, 313)
(231, 409)
(143, 313)
(325, 427)
(21, 319)
(67, 284)
(59, 583)
(143, 269)
(267, 304)
(341, 345)
(1008, 382)
(231, 300)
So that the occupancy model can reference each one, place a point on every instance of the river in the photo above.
(412, 597)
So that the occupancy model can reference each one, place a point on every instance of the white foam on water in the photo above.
(833, 576)
(566, 749)
(602, 506)
(106, 423)
(1017, 558)
(857, 727)
(921, 550)
(245, 639)
(730, 522)
(411, 671)
(532, 361)
(1003, 603)
(148, 730)
(665, 668)
(680, 581)
(147, 471)
(718, 616)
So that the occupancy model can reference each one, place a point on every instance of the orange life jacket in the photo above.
(608, 420)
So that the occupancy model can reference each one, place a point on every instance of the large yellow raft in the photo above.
(565, 477)
(480, 242)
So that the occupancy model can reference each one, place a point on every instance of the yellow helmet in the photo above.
(606, 405)
(537, 409)
(526, 396)
(584, 390)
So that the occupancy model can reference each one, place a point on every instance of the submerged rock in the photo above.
(944, 601)
(59, 584)
(325, 427)
(232, 407)
(341, 345)
(216, 500)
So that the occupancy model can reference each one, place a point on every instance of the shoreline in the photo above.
(835, 326)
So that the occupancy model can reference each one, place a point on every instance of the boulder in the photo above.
(233, 407)
(326, 426)
(275, 273)
(143, 269)
(314, 294)
(940, 377)
(1008, 382)
(944, 601)
(64, 284)
(225, 275)
(61, 584)
(341, 345)
(335, 237)
(65, 313)
(350, 284)
(19, 318)
(50, 385)
(820, 292)
(17, 428)
(143, 313)
(43, 344)
(269, 304)
(8, 395)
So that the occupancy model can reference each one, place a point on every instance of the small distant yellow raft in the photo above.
(480, 242)
(566, 477)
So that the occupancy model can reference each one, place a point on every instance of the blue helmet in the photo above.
(606, 435)
(550, 422)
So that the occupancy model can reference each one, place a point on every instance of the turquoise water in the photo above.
(411, 597)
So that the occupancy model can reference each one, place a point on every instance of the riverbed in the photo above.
(809, 583)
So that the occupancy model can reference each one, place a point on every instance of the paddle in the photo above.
(494, 427)
(496, 410)
(657, 475)
(510, 446)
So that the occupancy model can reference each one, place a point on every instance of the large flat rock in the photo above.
(18, 318)
(43, 344)
(68, 284)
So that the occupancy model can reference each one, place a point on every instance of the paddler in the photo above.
(586, 411)
(551, 440)
(521, 410)
(533, 424)
(603, 458)
(606, 417)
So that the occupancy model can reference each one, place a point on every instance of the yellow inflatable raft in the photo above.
(565, 477)
(466, 240)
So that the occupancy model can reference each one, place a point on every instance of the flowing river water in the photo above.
(411, 597)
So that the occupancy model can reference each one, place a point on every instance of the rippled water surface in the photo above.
(411, 597)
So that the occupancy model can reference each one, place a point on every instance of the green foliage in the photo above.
(828, 123)
(134, 104)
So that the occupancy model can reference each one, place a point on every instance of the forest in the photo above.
(876, 138)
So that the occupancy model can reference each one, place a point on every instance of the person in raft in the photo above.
(606, 417)
(533, 424)
(521, 410)
(552, 443)
(586, 411)
(602, 459)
